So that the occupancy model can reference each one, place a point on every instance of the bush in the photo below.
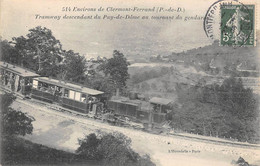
(89, 147)
(14, 122)
(229, 110)
(112, 149)
(17, 151)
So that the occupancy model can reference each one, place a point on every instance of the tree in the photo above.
(112, 149)
(73, 67)
(14, 122)
(40, 51)
(229, 110)
(102, 83)
(89, 147)
(8, 52)
(6, 100)
(115, 149)
(117, 69)
(237, 99)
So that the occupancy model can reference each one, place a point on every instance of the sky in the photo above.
(94, 38)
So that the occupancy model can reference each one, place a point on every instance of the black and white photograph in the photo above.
(129, 83)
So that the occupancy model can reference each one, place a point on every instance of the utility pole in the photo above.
(150, 119)
(39, 57)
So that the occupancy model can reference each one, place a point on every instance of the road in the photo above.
(61, 131)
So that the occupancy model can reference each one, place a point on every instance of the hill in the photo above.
(165, 84)
(216, 59)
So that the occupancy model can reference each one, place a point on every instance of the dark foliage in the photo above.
(17, 151)
(73, 67)
(8, 52)
(102, 83)
(88, 147)
(14, 122)
(240, 162)
(228, 110)
(112, 149)
(117, 69)
(6, 100)
(40, 51)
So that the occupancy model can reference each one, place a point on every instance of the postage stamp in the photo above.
(237, 25)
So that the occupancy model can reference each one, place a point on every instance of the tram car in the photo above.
(68, 95)
(16, 79)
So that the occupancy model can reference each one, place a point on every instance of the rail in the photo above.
(195, 137)
(199, 138)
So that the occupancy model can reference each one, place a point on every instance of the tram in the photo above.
(79, 98)
(68, 95)
(26, 83)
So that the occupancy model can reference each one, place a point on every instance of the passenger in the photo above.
(90, 99)
(12, 81)
(6, 78)
(61, 93)
(56, 92)
(16, 83)
(19, 86)
(2, 79)
(22, 85)
(51, 90)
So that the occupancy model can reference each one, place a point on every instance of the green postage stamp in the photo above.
(237, 25)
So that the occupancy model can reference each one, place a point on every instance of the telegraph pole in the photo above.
(39, 57)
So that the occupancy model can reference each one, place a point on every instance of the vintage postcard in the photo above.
(130, 82)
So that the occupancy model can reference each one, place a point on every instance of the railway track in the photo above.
(168, 134)
(219, 142)
(194, 137)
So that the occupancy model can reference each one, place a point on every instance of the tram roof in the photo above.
(161, 101)
(17, 70)
(69, 85)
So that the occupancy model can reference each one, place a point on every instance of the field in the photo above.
(165, 84)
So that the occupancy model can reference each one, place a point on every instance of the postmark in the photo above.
(231, 22)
